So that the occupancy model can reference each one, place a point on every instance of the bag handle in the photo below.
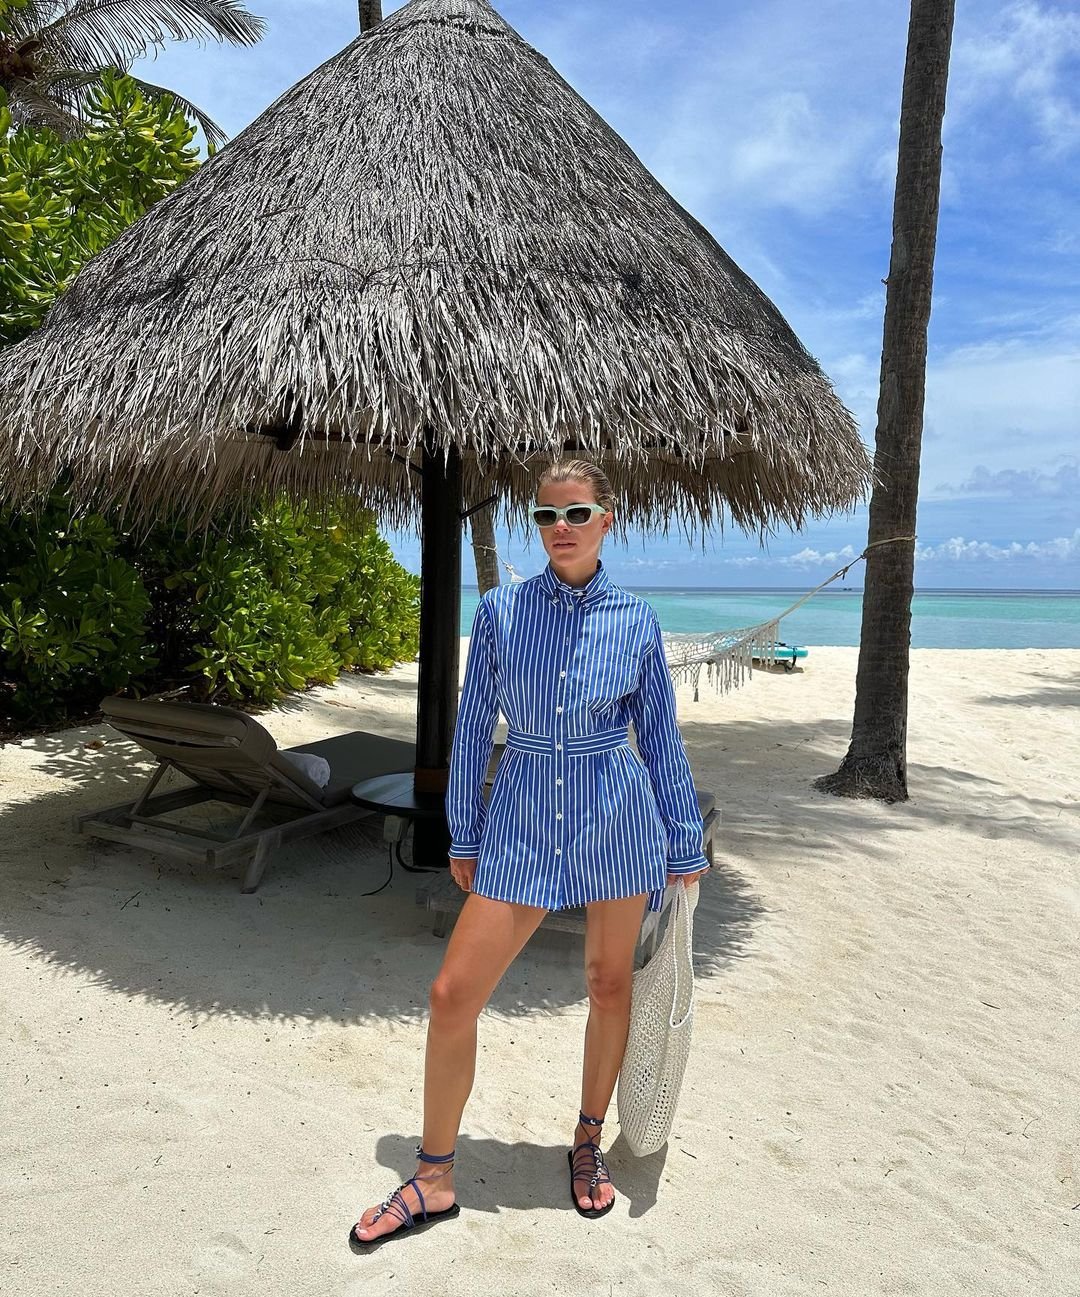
(682, 951)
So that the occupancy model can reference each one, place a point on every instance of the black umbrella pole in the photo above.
(440, 628)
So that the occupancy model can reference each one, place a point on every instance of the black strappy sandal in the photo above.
(587, 1162)
(396, 1205)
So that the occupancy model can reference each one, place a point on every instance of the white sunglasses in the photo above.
(575, 515)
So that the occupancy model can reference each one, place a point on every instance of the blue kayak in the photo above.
(788, 655)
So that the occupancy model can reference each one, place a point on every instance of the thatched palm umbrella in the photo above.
(425, 267)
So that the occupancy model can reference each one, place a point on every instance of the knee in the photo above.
(609, 988)
(450, 1001)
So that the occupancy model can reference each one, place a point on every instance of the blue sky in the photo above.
(775, 122)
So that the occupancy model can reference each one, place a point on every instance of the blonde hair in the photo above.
(580, 470)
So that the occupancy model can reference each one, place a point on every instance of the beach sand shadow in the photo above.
(307, 944)
(769, 801)
(1058, 691)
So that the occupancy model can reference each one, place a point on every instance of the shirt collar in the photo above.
(596, 588)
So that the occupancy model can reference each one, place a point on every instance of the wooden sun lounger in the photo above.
(229, 757)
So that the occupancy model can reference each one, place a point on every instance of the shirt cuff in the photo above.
(692, 866)
(464, 850)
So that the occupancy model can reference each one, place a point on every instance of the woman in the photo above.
(575, 818)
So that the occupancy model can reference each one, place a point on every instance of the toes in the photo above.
(363, 1228)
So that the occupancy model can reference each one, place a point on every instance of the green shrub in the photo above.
(287, 598)
(294, 597)
(63, 200)
(72, 613)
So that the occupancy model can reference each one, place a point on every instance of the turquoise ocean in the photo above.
(952, 619)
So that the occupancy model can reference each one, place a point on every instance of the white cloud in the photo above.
(1001, 404)
(729, 144)
(1028, 53)
(957, 549)
(805, 558)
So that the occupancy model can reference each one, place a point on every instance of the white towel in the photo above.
(316, 768)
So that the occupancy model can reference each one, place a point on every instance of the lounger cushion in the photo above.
(358, 756)
(217, 746)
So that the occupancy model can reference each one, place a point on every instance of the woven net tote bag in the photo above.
(661, 1022)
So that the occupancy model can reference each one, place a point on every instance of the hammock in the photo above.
(728, 656)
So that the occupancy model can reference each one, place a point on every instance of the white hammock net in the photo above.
(726, 657)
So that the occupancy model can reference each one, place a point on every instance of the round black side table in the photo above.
(396, 795)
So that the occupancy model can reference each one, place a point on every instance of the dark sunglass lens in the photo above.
(578, 515)
(544, 517)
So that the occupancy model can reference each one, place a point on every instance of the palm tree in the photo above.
(52, 51)
(876, 761)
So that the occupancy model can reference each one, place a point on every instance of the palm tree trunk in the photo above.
(370, 14)
(484, 553)
(876, 761)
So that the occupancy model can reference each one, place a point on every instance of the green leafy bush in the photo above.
(290, 597)
(64, 200)
(293, 596)
(73, 613)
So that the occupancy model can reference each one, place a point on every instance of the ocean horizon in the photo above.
(941, 618)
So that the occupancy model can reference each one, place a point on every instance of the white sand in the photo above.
(202, 1089)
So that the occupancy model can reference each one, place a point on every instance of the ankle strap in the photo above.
(590, 1121)
(432, 1159)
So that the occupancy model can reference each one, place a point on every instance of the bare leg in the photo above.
(612, 930)
(487, 938)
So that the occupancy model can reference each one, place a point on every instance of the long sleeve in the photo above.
(478, 711)
(660, 744)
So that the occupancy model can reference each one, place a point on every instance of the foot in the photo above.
(587, 1166)
(437, 1186)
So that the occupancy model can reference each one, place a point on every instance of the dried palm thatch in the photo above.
(434, 237)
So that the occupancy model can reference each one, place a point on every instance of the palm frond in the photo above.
(116, 32)
(215, 136)
(36, 103)
(35, 15)
(65, 88)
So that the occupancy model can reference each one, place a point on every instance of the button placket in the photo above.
(559, 737)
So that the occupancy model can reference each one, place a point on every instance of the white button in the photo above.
(562, 675)
(558, 783)
(558, 747)
(558, 710)
(559, 815)
(558, 851)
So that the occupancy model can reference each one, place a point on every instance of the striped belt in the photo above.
(581, 745)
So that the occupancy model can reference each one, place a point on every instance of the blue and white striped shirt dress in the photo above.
(575, 815)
